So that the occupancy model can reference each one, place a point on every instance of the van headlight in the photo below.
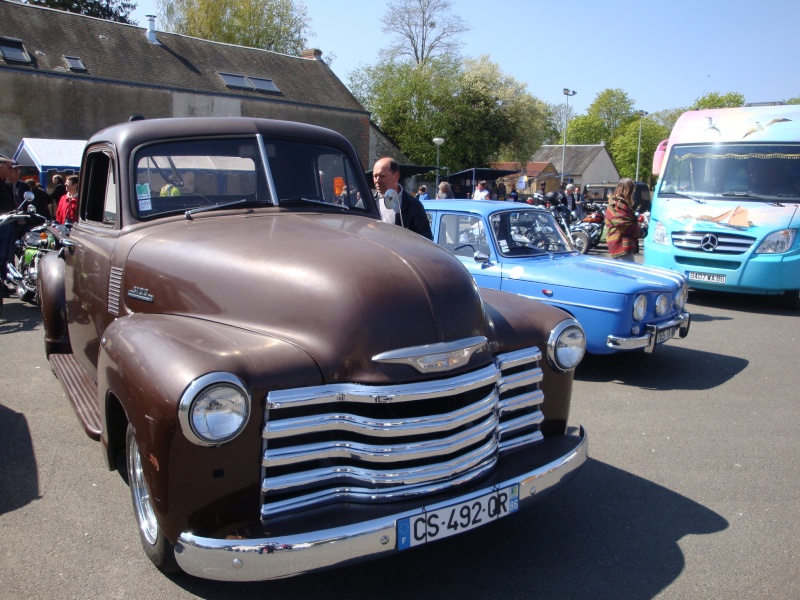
(659, 233)
(566, 345)
(777, 242)
(214, 409)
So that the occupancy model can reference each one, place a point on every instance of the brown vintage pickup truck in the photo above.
(291, 383)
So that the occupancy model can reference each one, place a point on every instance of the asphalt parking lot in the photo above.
(691, 490)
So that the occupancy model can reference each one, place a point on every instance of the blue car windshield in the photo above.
(528, 232)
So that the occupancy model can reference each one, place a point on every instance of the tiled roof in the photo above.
(576, 158)
(121, 53)
(532, 168)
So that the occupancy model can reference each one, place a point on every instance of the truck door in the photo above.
(88, 257)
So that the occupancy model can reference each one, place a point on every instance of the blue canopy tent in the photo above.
(39, 156)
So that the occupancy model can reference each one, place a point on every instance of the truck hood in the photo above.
(732, 216)
(342, 288)
(592, 273)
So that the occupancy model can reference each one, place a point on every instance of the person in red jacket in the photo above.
(68, 205)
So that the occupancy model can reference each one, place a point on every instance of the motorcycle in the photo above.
(644, 223)
(580, 239)
(594, 222)
(31, 248)
(9, 219)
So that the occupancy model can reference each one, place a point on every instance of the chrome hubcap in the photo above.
(141, 495)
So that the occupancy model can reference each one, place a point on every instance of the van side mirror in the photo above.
(658, 157)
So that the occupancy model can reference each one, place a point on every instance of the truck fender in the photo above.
(53, 304)
(145, 365)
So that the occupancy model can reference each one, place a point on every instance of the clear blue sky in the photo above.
(663, 54)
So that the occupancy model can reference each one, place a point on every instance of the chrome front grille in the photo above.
(718, 243)
(359, 443)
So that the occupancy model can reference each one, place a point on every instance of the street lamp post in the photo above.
(567, 92)
(438, 141)
(642, 114)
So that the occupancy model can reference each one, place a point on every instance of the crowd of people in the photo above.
(59, 202)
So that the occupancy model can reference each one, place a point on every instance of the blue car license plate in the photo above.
(665, 334)
(441, 523)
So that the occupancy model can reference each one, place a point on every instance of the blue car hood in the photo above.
(592, 273)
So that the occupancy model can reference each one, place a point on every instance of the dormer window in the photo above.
(246, 82)
(13, 50)
(74, 63)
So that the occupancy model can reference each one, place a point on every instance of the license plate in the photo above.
(665, 334)
(710, 277)
(450, 520)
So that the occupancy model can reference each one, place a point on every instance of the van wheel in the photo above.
(157, 547)
(791, 299)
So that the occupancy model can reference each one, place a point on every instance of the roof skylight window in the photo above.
(245, 82)
(74, 63)
(13, 50)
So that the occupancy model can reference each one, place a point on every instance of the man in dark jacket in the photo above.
(7, 231)
(386, 175)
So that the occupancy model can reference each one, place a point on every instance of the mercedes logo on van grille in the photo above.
(709, 242)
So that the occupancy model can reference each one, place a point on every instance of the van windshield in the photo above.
(765, 172)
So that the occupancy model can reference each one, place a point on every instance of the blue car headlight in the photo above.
(662, 305)
(639, 307)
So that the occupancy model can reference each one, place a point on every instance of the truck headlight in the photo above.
(777, 242)
(214, 409)
(639, 307)
(566, 345)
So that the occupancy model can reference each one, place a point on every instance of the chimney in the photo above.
(311, 54)
(151, 30)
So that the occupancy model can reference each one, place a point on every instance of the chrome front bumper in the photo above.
(649, 340)
(277, 557)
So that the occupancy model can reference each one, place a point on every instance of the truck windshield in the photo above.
(185, 175)
(758, 172)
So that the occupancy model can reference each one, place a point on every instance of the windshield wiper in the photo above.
(756, 197)
(682, 195)
(315, 200)
(200, 209)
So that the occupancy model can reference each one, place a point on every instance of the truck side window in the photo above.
(100, 202)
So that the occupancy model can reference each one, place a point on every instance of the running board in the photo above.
(81, 391)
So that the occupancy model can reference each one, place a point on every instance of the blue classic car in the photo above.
(519, 248)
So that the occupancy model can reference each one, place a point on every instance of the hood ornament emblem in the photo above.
(138, 293)
(435, 358)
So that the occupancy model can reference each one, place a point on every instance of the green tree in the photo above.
(795, 100)
(482, 113)
(110, 10)
(625, 146)
(614, 108)
(586, 129)
(667, 117)
(278, 25)
(717, 100)
(423, 29)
